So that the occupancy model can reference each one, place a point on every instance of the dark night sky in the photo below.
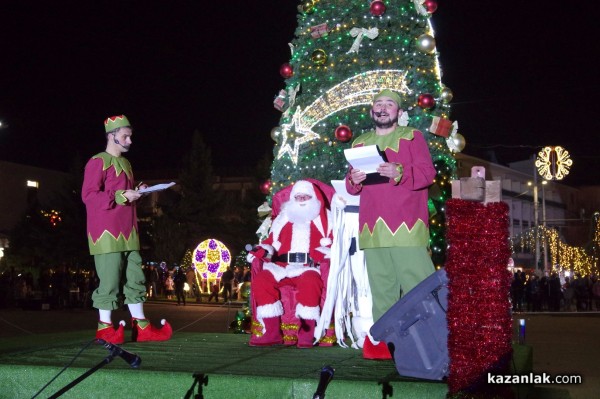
(522, 73)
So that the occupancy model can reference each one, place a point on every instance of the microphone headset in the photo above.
(117, 141)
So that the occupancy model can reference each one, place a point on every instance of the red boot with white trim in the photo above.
(376, 352)
(267, 336)
(107, 332)
(143, 331)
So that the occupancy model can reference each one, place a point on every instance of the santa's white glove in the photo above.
(250, 257)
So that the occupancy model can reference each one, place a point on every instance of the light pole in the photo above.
(535, 219)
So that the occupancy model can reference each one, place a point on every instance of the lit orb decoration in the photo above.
(553, 163)
(286, 71)
(319, 57)
(456, 142)
(265, 187)
(431, 6)
(275, 133)
(343, 133)
(211, 258)
(426, 101)
(446, 95)
(426, 43)
(377, 8)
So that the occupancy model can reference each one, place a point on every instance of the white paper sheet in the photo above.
(156, 187)
(366, 158)
(340, 189)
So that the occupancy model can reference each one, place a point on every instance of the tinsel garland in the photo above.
(479, 318)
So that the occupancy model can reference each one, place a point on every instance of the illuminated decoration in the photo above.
(357, 90)
(211, 258)
(553, 163)
(52, 216)
(563, 256)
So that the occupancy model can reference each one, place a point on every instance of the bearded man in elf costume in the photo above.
(393, 214)
(299, 239)
(110, 198)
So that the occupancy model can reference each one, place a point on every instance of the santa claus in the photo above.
(299, 240)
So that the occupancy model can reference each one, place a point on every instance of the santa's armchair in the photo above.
(288, 287)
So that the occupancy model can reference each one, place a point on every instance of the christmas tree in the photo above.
(344, 52)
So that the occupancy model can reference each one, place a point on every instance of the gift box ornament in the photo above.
(476, 188)
(441, 126)
(318, 31)
(281, 101)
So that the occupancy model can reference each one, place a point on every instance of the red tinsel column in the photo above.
(479, 318)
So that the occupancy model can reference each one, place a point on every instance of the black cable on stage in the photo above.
(64, 368)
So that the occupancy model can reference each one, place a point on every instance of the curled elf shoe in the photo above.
(108, 333)
(375, 352)
(144, 331)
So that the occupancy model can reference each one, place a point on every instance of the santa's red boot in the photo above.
(270, 335)
(108, 333)
(306, 333)
(144, 331)
(376, 352)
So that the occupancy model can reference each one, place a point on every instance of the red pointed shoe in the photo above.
(112, 335)
(150, 333)
(375, 352)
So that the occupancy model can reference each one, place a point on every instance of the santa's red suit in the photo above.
(298, 241)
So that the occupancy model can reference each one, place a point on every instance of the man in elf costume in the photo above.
(299, 239)
(110, 198)
(393, 215)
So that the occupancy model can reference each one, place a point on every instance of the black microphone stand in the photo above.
(107, 359)
(199, 379)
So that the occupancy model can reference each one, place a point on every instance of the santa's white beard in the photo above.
(302, 212)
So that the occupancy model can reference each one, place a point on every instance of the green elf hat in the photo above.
(115, 122)
(391, 94)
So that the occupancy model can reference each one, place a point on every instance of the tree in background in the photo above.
(344, 52)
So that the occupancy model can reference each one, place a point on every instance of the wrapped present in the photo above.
(476, 188)
(281, 101)
(441, 126)
(318, 30)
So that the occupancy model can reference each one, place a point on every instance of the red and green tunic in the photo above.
(111, 220)
(395, 214)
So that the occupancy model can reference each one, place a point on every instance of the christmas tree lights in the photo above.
(342, 54)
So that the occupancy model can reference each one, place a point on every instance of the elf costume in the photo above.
(394, 218)
(113, 240)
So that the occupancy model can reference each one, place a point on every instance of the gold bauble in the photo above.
(446, 95)
(426, 43)
(308, 6)
(319, 57)
(456, 142)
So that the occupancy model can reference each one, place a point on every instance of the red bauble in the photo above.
(265, 187)
(286, 71)
(343, 133)
(426, 101)
(377, 8)
(431, 6)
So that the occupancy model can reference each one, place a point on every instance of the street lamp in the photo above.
(536, 218)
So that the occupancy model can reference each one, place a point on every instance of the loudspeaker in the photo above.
(415, 330)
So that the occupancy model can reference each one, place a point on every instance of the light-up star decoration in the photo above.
(357, 90)
(211, 258)
(553, 163)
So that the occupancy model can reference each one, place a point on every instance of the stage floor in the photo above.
(233, 369)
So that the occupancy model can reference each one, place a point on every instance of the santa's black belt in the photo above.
(292, 257)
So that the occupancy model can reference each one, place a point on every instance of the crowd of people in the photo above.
(532, 293)
(63, 287)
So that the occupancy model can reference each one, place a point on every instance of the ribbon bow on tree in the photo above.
(359, 33)
(420, 7)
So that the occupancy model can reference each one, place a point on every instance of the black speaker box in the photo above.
(415, 330)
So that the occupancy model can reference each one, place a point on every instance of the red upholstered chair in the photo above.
(289, 322)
